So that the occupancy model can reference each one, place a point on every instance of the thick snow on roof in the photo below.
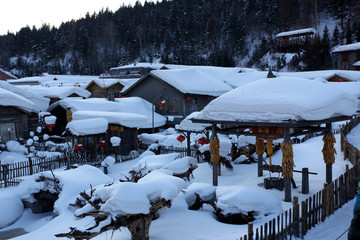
(140, 64)
(348, 47)
(188, 125)
(130, 120)
(40, 103)
(247, 76)
(296, 32)
(281, 99)
(8, 98)
(192, 81)
(56, 80)
(88, 126)
(357, 64)
(58, 92)
(138, 105)
(132, 105)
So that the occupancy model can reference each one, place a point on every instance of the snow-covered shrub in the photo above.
(108, 161)
(115, 141)
(14, 146)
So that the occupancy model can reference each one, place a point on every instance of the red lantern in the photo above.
(202, 141)
(208, 98)
(188, 98)
(50, 126)
(78, 147)
(161, 104)
(180, 138)
(102, 144)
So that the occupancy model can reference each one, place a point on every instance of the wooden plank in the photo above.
(303, 218)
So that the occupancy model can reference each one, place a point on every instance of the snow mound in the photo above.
(181, 165)
(240, 199)
(11, 209)
(14, 146)
(151, 163)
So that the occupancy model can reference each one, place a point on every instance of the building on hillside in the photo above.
(136, 70)
(293, 41)
(347, 56)
(182, 90)
(105, 88)
(4, 75)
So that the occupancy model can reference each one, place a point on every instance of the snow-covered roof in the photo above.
(130, 120)
(55, 80)
(134, 105)
(192, 81)
(58, 92)
(8, 98)
(296, 32)
(357, 64)
(348, 47)
(40, 103)
(87, 127)
(105, 83)
(188, 125)
(8, 73)
(140, 64)
(281, 99)
(139, 105)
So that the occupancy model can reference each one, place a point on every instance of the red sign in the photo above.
(267, 130)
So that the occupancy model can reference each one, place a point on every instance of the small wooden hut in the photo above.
(279, 108)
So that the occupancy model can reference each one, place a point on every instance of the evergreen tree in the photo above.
(335, 40)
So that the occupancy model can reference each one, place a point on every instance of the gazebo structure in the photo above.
(274, 108)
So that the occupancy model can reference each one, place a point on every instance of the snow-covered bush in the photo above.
(108, 161)
(14, 146)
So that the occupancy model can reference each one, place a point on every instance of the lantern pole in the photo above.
(188, 151)
(153, 112)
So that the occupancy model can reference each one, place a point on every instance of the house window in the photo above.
(7, 132)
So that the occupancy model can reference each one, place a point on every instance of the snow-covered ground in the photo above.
(178, 222)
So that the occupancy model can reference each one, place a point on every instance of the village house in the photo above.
(4, 75)
(293, 41)
(179, 92)
(347, 56)
(124, 116)
(105, 88)
(136, 70)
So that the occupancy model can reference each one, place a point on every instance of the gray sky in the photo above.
(19, 13)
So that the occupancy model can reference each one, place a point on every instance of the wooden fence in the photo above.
(301, 217)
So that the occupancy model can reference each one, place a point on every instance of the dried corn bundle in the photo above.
(328, 150)
(287, 159)
(260, 147)
(214, 149)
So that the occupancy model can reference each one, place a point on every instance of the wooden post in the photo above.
(328, 165)
(250, 231)
(31, 166)
(287, 180)
(5, 174)
(296, 216)
(214, 165)
(305, 181)
(303, 218)
(260, 163)
(105, 170)
(188, 150)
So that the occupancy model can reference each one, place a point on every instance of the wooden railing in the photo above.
(297, 221)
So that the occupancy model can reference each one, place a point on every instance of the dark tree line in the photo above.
(207, 32)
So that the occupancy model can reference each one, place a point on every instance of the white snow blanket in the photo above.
(192, 81)
(11, 209)
(188, 125)
(281, 99)
(296, 32)
(348, 47)
(88, 126)
(136, 198)
(8, 98)
(130, 120)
